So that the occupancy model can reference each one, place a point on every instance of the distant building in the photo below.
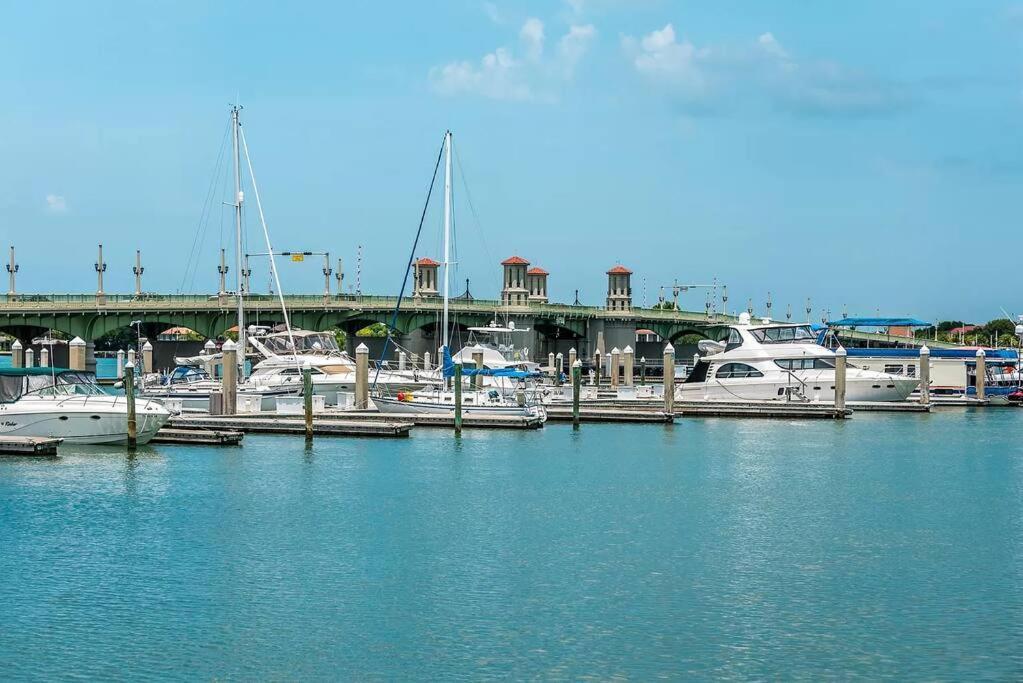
(965, 329)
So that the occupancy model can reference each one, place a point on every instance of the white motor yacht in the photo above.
(333, 370)
(782, 362)
(69, 405)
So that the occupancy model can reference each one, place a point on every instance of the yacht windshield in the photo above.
(306, 343)
(67, 383)
(798, 334)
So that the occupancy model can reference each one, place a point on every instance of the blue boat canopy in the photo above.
(449, 370)
(878, 322)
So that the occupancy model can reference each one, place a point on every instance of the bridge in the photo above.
(548, 327)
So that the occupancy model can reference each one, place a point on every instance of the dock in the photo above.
(765, 409)
(271, 424)
(642, 413)
(469, 420)
(41, 446)
(198, 437)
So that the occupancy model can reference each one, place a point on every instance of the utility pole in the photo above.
(340, 277)
(326, 276)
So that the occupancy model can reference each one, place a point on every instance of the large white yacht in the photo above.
(333, 370)
(69, 405)
(783, 362)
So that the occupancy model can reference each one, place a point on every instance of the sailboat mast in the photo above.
(238, 197)
(447, 230)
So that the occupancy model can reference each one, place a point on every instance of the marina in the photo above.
(572, 341)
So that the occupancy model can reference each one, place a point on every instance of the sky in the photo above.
(866, 155)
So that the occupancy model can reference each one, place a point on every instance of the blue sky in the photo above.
(856, 153)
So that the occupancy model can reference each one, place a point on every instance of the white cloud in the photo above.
(505, 75)
(711, 77)
(493, 13)
(56, 203)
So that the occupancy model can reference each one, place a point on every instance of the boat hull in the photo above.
(869, 389)
(84, 423)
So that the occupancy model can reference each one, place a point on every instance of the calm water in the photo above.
(888, 546)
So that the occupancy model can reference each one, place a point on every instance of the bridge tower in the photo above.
(514, 292)
(619, 289)
(536, 283)
(425, 284)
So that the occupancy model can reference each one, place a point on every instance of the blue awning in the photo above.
(878, 322)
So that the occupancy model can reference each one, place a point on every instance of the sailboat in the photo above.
(193, 386)
(441, 400)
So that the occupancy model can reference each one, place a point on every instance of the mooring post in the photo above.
(925, 375)
(76, 353)
(559, 368)
(598, 360)
(147, 358)
(129, 395)
(402, 361)
(17, 355)
(615, 367)
(458, 397)
(30, 358)
(361, 377)
(229, 385)
(208, 349)
(426, 361)
(477, 360)
(642, 370)
(669, 379)
(44, 357)
(577, 378)
(573, 356)
(120, 364)
(307, 396)
(629, 356)
(131, 357)
(550, 364)
(981, 375)
(840, 367)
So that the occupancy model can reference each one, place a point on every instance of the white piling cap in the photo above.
(307, 366)
(209, 345)
(560, 355)
(572, 350)
(615, 350)
(577, 364)
(668, 348)
(924, 351)
(77, 341)
(149, 347)
(642, 359)
(841, 351)
(627, 349)
(16, 344)
(228, 346)
(129, 364)
(980, 353)
(362, 348)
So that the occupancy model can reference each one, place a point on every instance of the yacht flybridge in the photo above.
(782, 362)
(69, 405)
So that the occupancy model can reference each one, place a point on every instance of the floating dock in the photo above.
(469, 421)
(642, 413)
(272, 424)
(767, 409)
(29, 445)
(198, 437)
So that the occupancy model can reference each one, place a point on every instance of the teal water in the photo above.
(884, 547)
(105, 367)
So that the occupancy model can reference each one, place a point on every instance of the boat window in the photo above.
(734, 340)
(804, 364)
(798, 334)
(910, 371)
(737, 371)
(699, 373)
(893, 369)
